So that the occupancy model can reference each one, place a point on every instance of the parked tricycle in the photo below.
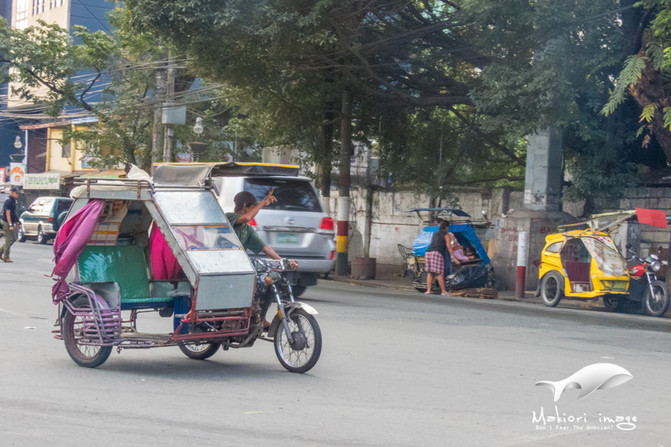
(135, 246)
(586, 264)
(475, 272)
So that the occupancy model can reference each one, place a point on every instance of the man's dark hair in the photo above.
(243, 198)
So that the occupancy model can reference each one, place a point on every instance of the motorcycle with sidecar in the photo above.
(586, 264)
(133, 246)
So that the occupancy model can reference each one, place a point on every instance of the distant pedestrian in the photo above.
(10, 223)
(437, 256)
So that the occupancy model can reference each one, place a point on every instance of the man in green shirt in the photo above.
(246, 208)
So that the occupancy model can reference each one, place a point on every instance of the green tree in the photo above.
(113, 77)
(646, 72)
(484, 74)
(291, 61)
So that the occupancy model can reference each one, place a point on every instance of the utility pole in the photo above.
(157, 122)
(169, 101)
(344, 184)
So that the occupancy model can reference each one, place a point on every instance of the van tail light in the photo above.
(327, 224)
(50, 219)
(252, 222)
(332, 255)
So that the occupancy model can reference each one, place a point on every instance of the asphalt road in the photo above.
(397, 369)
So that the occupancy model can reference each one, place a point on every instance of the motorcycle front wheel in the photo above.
(301, 355)
(656, 303)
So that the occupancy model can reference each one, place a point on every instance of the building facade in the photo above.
(26, 136)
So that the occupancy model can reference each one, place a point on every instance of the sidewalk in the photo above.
(567, 308)
(394, 281)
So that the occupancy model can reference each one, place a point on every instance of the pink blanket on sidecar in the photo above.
(70, 240)
(164, 265)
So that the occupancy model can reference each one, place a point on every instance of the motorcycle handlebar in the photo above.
(266, 265)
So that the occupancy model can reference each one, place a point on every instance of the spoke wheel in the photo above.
(552, 288)
(656, 303)
(84, 355)
(21, 236)
(301, 355)
(200, 351)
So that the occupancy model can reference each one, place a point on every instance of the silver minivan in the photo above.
(295, 226)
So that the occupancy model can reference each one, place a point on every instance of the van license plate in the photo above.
(288, 238)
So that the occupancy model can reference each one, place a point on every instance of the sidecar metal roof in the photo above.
(182, 174)
(110, 189)
(238, 168)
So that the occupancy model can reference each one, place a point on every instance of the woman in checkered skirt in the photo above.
(435, 257)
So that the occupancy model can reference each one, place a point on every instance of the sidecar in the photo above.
(582, 264)
(474, 273)
(135, 246)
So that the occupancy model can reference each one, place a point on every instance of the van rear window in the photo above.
(292, 194)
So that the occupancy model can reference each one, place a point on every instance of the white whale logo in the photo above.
(598, 376)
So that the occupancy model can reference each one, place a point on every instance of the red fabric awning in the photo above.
(656, 218)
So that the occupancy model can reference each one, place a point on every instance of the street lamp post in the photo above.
(198, 127)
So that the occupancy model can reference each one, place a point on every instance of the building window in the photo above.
(66, 150)
(22, 8)
(39, 6)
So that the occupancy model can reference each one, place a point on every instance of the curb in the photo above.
(579, 311)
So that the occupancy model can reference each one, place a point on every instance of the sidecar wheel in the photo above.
(552, 288)
(420, 282)
(656, 304)
(200, 351)
(303, 354)
(88, 356)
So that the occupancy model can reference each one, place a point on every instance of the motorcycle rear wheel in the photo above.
(303, 354)
(656, 304)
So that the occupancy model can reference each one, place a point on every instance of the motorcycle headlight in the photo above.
(655, 266)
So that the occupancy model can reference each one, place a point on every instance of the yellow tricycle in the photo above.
(582, 264)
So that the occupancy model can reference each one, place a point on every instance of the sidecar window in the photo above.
(205, 237)
(190, 207)
(554, 248)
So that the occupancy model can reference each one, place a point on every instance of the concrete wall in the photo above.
(392, 225)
